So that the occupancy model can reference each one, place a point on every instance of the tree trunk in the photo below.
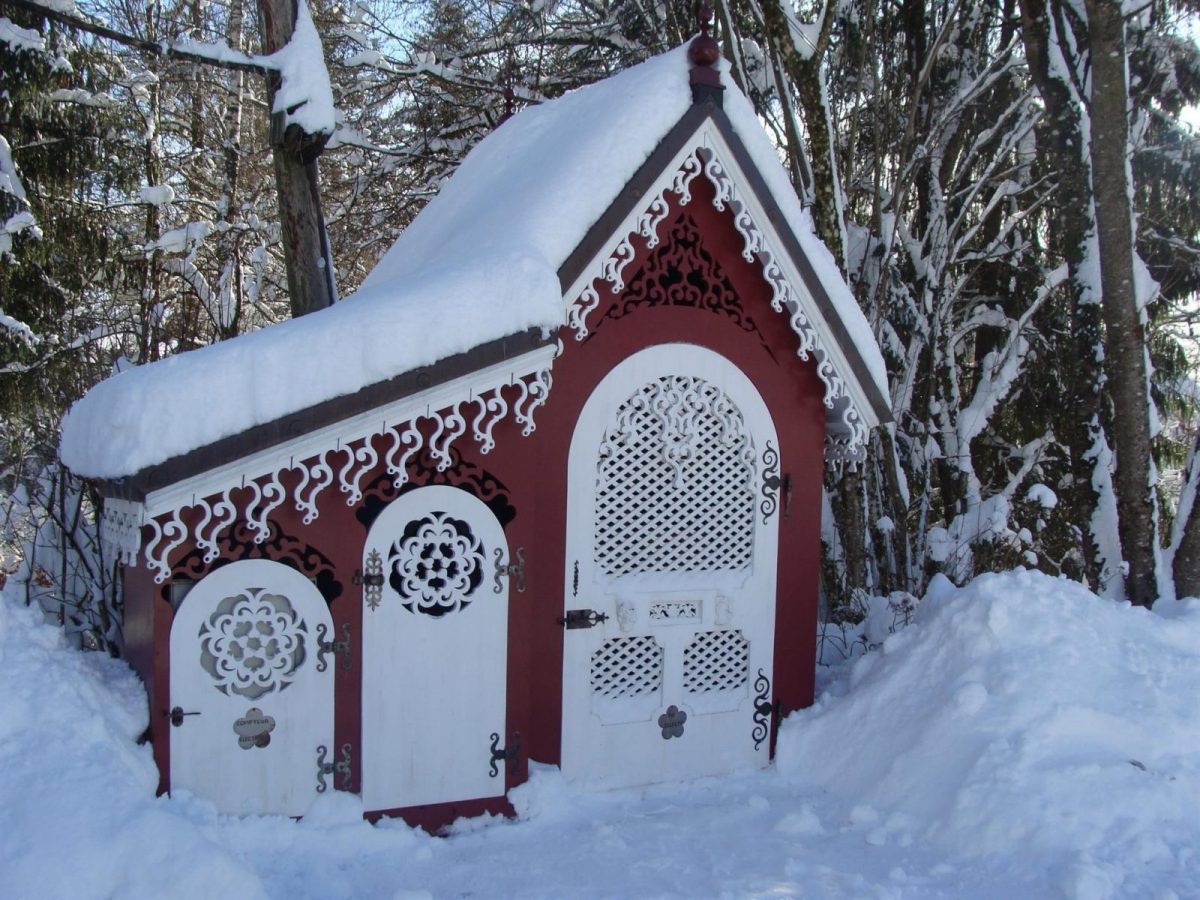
(1080, 422)
(1125, 334)
(306, 246)
(1185, 566)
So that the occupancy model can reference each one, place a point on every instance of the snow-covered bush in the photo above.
(51, 556)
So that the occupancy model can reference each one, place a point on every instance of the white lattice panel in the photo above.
(627, 667)
(716, 661)
(675, 482)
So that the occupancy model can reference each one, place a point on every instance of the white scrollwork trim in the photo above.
(756, 245)
(167, 536)
(348, 459)
(121, 529)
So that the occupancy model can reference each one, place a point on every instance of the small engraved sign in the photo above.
(254, 729)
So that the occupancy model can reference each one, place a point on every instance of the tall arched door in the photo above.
(251, 694)
(670, 573)
(435, 651)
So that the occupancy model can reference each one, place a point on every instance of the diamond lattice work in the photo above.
(675, 482)
(627, 667)
(716, 661)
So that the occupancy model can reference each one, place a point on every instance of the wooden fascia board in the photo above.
(288, 428)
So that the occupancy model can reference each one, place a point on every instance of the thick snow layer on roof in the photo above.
(480, 262)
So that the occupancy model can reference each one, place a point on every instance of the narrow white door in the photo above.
(671, 550)
(251, 699)
(435, 651)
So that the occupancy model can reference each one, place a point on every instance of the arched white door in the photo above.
(435, 651)
(252, 701)
(672, 554)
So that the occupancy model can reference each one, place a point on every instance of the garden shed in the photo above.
(547, 487)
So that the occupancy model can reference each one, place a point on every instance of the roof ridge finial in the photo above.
(703, 52)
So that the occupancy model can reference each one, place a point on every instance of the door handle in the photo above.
(176, 715)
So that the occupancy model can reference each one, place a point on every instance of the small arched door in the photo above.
(672, 555)
(435, 651)
(252, 699)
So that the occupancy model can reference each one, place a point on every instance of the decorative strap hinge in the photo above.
(765, 712)
(371, 579)
(582, 618)
(325, 767)
(324, 646)
(772, 483)
(514, 570)
(508, 755)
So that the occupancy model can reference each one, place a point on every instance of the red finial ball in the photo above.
(704, 51)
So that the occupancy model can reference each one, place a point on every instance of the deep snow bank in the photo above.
(983, 752)
(77, 808)
(1023, 717)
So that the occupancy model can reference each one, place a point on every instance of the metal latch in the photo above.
(507, 754)
(324, 767)
(516, 570)
(582, 618)
(176, 715)
(324, 646)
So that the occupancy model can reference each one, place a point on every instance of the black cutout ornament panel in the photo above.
(682, 272)
(436, 565)
(423, 471)
(237, 543)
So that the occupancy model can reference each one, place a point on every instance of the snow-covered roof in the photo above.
(481, 262)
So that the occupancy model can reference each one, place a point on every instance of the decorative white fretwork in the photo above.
(436, 565)
(627, 667)
(253, 643)
(675, 479)
(758, 244)
(121, 529)
(670, 611)
(346, 454)
(716, 661)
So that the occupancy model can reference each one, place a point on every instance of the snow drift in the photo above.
(1023, 736)
(1023, 716)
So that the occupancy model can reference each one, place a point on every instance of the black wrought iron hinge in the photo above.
(372, 579)
(325, 767)
(766, 713)
(324, 646)
(582, 618)
(509, 755)
(514, 570)
(772, 483)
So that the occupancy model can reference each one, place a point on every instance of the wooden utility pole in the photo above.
(306, 245)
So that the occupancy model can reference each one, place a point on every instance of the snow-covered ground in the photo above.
(1021, 738)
